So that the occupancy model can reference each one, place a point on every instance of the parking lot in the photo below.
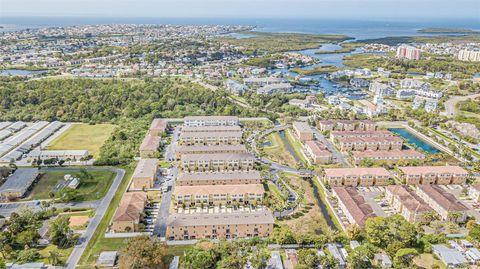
(151, 214)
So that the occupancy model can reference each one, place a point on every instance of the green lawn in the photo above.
(296, 145)
(89, 189)
(63, 253)
(426, 260)
(83, 136)
(98, 241)
(277, 151)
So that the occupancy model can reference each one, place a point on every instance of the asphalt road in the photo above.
(450, 103)
(82, 242)
(160, 227)
(337, 156)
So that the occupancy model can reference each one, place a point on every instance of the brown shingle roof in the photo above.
(355, 204)
(219, 189)
(409, 199)
(150, 142)
(231, 175)
(131, 206)
(420, 170)
(158, 125)
(360, 171)
(441, 197)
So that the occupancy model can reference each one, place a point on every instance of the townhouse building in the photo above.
(217, 161)
(369, 143)
(213, 138)
(347, 125)
(353, 205)
(317, 152)
(442, 175)
(214, 195)
(444, 203)
(145, 174)
(219, 178)
(211, 129)
(406, 203)
(150, 146)
(220, 225)
(361, 134)
(387, 155)
(210, 149)
(193, 121)
(361, 176)
(129, 212)
(302, 130)
(158, 127)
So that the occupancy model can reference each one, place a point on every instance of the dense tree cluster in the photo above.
(131, 104)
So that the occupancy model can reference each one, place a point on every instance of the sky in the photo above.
(338, 9)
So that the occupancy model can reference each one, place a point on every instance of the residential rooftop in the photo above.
(233, 218)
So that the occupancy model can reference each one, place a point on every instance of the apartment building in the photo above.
(218, 194)
(219, 178)
(150, 146)
(406, 203)
(353, 205)
(347, 125)
(302, 130)
(193, 121)
(360, 134)
(219, 225)
(369, 143)
(444, 203)
(213, 138)
(145, 174)
(469, 55)
(408, 53)
(356, 176)
(129, 212)
(217, 162)
(211, 129)
(387, 155)
(317, 152)
(158, 127)
(203, 149)
(434, 174)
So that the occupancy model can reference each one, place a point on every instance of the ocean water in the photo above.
(359, 29)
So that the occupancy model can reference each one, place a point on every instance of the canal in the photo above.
(414, 140)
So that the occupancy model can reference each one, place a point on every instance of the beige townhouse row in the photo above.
(317, 152)
(369, 143)
(211, 129)
(356, 176)
(444, 203)
(210, 138)
(347, 125)
(214, 195)
(220, 225)
(433, 174)
(130, 212)
(194, 121)
(407, 203)
(217, 162)
(387, 155)
(360, 134)
(210, 149)
(302, 131)
(219, 178)
(145, 174)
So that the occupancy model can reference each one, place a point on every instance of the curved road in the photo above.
(450, 103)
(82, 242)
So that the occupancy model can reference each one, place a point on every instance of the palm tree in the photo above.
(54, 257)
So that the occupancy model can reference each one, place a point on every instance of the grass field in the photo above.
(311, 222)
(296, 145)
(277, 151)
(426, 260)
(83, 136)
(98, 242)
(89, 189)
